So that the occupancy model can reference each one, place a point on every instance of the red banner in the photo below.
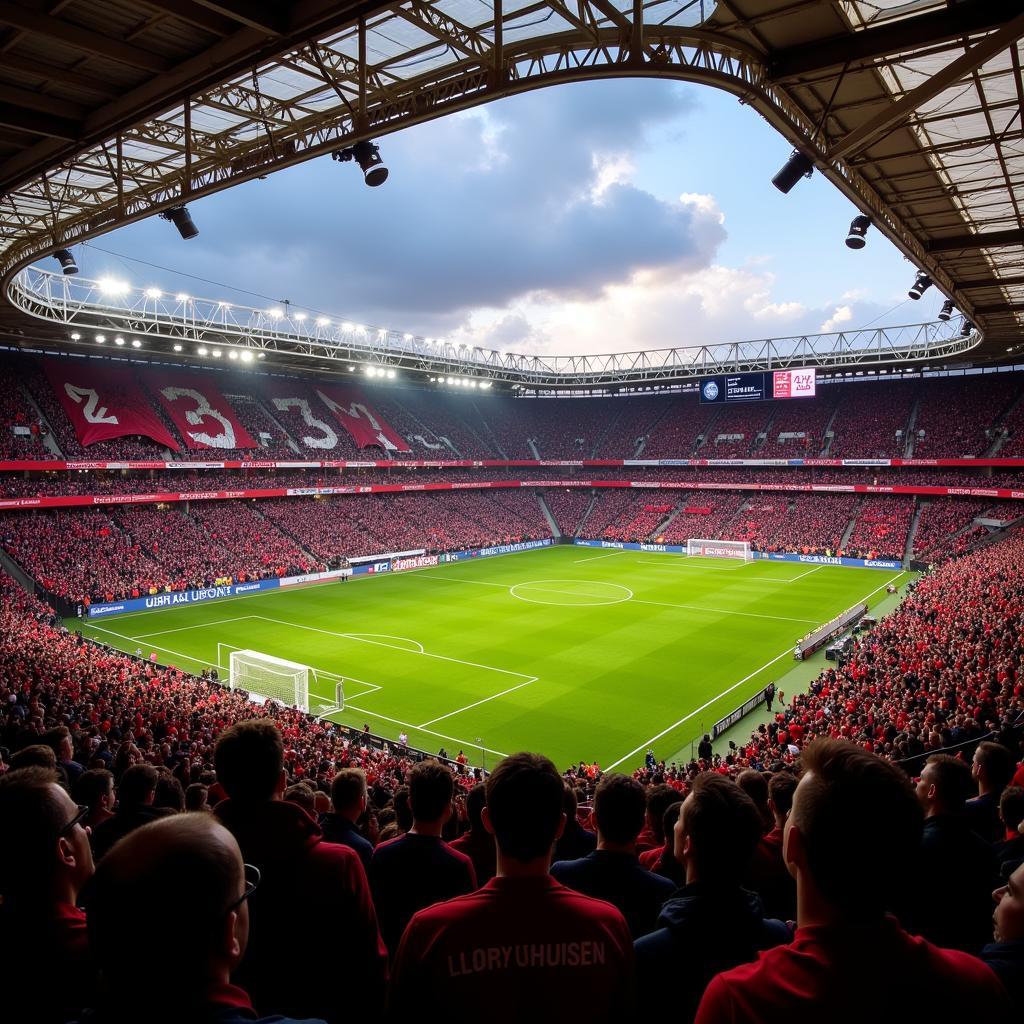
(203, 416)
(304, 416)
(104, 402)
(355, 414)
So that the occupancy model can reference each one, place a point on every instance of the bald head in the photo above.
(188, 870)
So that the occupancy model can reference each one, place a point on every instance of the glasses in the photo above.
(83, 812)
(252, 881)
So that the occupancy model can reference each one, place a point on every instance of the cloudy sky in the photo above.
(601, 216)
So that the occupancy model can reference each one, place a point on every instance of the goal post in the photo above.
(263, 675)
(739, 549)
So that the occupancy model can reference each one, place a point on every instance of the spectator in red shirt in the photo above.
(613, 872)
(477, 843)
(768, 875)
(419, 869)
(659, 799)
(711, 923)
(523, 947)
(312, 893)
(45, 859)
(192, 868)
(851, 840)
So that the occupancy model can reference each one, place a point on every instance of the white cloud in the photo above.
(842, 315)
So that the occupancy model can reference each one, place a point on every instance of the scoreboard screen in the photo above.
(757, 387)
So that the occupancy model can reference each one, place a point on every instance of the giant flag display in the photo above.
(203, 416)
(367, 427)
(104, 402)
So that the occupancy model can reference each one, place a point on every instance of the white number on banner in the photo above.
(329, 439)
(195, 417)
(91, 399)
(354, 411)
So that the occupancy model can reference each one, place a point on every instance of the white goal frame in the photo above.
(317, 676)
(704, 548)
(264, 676)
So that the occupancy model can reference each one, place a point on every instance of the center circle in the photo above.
(571, 593)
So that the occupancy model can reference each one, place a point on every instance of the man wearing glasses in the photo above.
(45, 859)
(180, 971)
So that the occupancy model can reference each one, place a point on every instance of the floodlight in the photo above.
(367, 155)
(215, 353)
(202, 350)
(246, 356)
(100, 339)
(232, 354)
(967, 328)
(858, 229)
(112, 286)
(796, 167)
(67, 262)
(153, 293)
(119, 340)
(136, 343)
(177, 348)
(181, 297)
(921, 284)
(947, 310)
(391, 374)
(182, 220)
(322, 321)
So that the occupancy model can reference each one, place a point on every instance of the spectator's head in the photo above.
(249, 758)
(993, 767)
(95, 789)
(1011, 808)
(853, 833)
(476, 798)
(944, 785)
(431, 788)
(717, 831)
(196, 796)
(1009, 915)
(658, 799)
(570, 802)
(403, 812)
(525, 796)
(348, 793)
(58, 739)
(780, 796)
(137, 787)
(619, 809)
(169, 795)
(755, 785)
(191, 866)
(39, 755)
(45, 856)
(302, 796)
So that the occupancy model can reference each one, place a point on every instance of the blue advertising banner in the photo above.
(176, 598)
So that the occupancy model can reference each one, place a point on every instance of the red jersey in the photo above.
(517, 949)
(847, 975)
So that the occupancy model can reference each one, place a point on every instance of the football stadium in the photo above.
(512, 510)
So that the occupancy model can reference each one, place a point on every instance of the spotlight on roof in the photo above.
(921, 284)
(367, 155)
(858, 229)
(182, 220)
(947, 310)
(75, 336)
(67, 262)
(177, 348)
(967, 329)
(796, 167)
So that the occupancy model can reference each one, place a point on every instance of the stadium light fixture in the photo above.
(202, 350)
(182, 220)
(947, 310)
(274, 313)
(177, 348)
(66, 259)
(233, 354)
(101, 339)
(182, 297)
(262, 355)
(855, 237)
(367, 155)
(136, 343)
(967, 328)
(246, 357)
(921, 284)
(112, 286)
(119, 340)
(153, 293)
(796, 167)
(216, 353)
(300, 317)
(322, 321)
(391, 374)
(75, 336)
(406, 337)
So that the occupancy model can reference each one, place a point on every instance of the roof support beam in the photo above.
(253, 14)
(47, 125)
(52, 73)
(963, 243)
(80, 38)
(1002, 307)
(194, 14)
(896, 113)
(940, 26)
(990, 282)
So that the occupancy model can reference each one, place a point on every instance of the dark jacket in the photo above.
(576, 841)
(983, 817)
(339, 829)
(1007, 960)
(618, 879)
(1009, 850)
(313, 900)
(703, 929)
(953, 879)
(120, 825)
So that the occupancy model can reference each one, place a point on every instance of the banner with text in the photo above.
(104, 402)
(203, 416)
(367, 427)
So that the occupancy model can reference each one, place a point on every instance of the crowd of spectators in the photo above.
(870, 416)
(978, 401)
(21, 432)
(736, 431)
(881, 528)
(568, 506)
(810, 523)
(808, 417)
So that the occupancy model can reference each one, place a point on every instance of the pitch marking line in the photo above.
(199, 625)
(686, 718)
(377, 643)
(477, 703)
(664, 564)
(594, 558)
(430, 732)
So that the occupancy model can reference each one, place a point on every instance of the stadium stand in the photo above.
(869, 417)
(568, 508)
(881, 528)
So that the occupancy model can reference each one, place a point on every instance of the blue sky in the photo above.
(593, 217)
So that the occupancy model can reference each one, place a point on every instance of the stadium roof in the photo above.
(114, 110)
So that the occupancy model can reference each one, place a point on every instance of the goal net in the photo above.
(263, 675)
(720, 549)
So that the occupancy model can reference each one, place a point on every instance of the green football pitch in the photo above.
(580, 653)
